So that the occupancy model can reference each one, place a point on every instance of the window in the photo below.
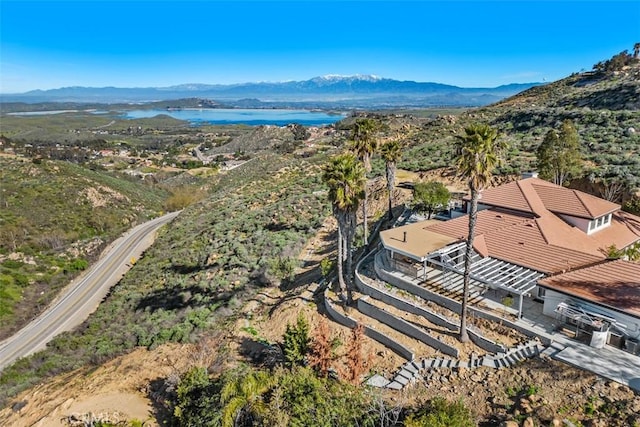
(541, 293)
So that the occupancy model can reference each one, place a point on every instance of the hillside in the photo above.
(605, 108)
(216, 255)
(55, 217)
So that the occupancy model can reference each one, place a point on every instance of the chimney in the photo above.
(404, 236)
(532, 174)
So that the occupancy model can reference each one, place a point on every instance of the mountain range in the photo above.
(364, 91)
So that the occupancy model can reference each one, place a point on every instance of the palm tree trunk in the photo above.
(473, 214)
(390, 183)
(351, 221)
(364, 218)
(341, 282)
(344, 244)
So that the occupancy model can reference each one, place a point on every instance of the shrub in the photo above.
(439, 412)
(296, 342)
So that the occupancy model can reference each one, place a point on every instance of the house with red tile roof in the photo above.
(540, 240)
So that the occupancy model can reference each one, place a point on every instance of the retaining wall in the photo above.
(452, 305)
(483, 314)
(485, 343)
(347, 321)
(415, 289)
(404, 327)
(401, 304)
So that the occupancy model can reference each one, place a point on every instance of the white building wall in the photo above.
(553, 298)
(581, 223)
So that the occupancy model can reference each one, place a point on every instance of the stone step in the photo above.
(489, 362)
(509, 360)
(409, 367)
(394, 385)
(402, 380)
(404, 373)
(378, 381)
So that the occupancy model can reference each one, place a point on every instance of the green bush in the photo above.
(75, 265)
(296, 342)
(440, 412)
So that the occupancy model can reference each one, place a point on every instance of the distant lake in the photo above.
(242, 116)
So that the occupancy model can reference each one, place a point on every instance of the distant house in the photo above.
(535, 239)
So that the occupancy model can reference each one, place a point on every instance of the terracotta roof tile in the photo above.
(562, 200)
(488, 220)
(536, 195)
(559, 233)
(509, 196)
(518, 238)
(526, 229)
(612, 283)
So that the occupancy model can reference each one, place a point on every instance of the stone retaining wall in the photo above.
(401, 304)
(483, 342)
(404, 327)
(388, 342)
(415, 289)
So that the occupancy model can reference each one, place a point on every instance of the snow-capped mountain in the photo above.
(356, 90)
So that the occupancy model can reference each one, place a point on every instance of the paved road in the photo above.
(84, 295)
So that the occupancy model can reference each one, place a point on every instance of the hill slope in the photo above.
(216, 254)
(54, 218)
(605, 108)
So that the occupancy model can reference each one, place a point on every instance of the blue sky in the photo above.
(52, 44)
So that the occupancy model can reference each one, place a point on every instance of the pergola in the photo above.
(494, 273)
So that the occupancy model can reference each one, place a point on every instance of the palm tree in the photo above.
(242, 398)
(364, 145)
(477, 155)
(391, 152)
(345, 177)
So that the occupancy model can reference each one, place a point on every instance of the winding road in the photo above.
(83, 295)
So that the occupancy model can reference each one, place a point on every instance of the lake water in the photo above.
(242, 116)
